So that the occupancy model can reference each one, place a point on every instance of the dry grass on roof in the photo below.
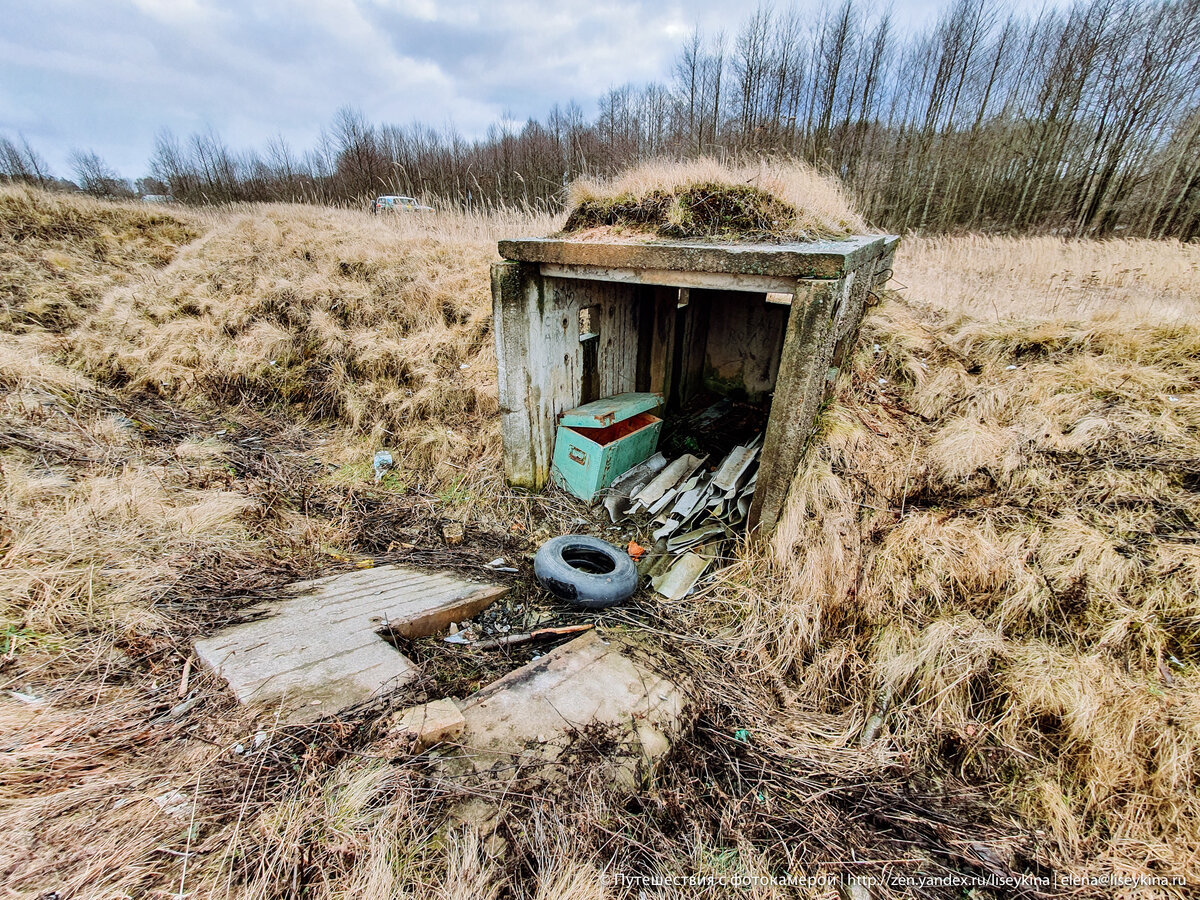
(776, 200)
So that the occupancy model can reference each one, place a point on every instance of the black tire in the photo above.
(585, 571)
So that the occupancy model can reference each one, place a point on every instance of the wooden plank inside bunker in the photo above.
(745, 341)
(692, 342)
(656, 339)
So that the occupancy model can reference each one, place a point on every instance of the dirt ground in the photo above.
(969, 650)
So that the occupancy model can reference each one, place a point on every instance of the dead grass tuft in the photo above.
(319, 314)
(59, 254)
(769, 199)
(994, 278)
(996, 541)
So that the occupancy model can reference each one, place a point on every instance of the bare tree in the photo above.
(20, 162)
(97, 177)
(689, 81)
(1079, 119)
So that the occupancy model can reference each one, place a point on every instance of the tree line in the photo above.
(1081, 120)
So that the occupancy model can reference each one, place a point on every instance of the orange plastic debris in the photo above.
(636, 550)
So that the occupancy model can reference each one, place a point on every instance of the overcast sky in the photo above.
(107, 76)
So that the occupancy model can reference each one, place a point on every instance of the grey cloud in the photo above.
(107, 76)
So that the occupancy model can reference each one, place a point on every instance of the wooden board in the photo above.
(543, 366)
(618, 351)
(656, 339)
(691, 344)
(745, 339)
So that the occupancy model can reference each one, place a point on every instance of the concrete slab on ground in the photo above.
(601, 696)
(320, 650)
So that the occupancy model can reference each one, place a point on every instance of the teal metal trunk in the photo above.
(600, 441)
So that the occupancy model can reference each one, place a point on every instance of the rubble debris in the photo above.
(174, 803)
(698, 536)
(693, 509)
(732, 471)
(509, 617)
(874, 724)
(664, 481)
(183, 681)
(511, 640)
(382, 463)
(321, 649)
(430, 723)
(179, 710)
(716, 428)
(620, 493)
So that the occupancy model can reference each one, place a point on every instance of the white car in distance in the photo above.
(395, 203)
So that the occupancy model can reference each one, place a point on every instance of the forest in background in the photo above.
(1083, 120)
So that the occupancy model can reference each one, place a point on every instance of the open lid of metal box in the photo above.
(610, 410)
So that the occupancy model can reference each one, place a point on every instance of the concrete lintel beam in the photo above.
(812, 259)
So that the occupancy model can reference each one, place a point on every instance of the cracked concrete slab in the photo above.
(320, 648)
(600, 697)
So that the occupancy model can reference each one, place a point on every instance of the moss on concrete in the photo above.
(708, 210)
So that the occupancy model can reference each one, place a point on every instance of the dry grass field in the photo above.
(973, 644)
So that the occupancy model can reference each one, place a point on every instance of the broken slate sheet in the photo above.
(320, 649)
(694, 512)
(681, 577)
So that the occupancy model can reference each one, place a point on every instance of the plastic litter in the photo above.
(383, 462)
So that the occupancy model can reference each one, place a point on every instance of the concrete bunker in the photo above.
(767, 325)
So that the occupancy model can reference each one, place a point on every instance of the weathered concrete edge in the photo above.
(627, 642)
(434, 620)
(818, 259)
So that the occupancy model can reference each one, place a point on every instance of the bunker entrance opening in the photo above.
(741, 343)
